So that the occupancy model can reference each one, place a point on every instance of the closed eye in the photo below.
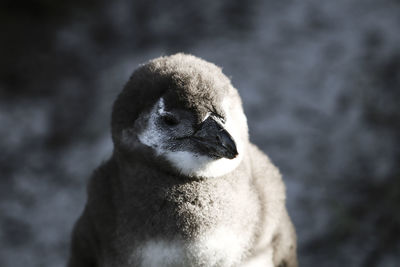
(169, 119)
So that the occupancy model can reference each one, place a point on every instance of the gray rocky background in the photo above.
(320, 82)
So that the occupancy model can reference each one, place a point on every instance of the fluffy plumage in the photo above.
(184, 186)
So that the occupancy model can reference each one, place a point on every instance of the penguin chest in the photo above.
(218, 247)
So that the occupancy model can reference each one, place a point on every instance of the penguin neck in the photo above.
(156, 195)
(147, 172)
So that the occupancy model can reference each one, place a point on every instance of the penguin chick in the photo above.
(184, 186)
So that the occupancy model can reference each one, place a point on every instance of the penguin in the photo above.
(184, 186)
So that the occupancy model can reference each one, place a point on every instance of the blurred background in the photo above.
(320, 82)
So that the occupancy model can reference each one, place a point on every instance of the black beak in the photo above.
(213, 140)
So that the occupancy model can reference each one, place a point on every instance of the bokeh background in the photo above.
(320, 82)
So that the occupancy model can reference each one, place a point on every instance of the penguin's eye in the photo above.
(170, 119)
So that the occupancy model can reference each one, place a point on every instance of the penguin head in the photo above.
(184, 110)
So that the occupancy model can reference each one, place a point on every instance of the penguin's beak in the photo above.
(213, 140)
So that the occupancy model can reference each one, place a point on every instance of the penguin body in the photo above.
(184, 186)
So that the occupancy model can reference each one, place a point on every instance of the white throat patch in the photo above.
(191, 164)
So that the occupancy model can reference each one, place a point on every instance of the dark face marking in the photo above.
(170, 119)
(180, 130)
(208, 138)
